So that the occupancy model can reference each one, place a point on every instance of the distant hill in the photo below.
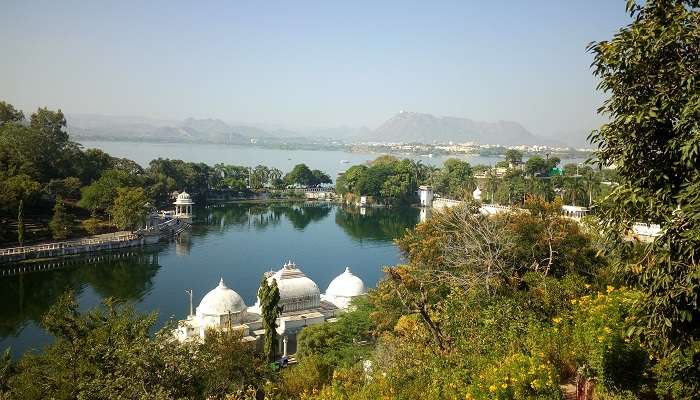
(427, 128)
(403, 127)
(98, 127)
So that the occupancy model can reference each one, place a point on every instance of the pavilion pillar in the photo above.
(284, 346)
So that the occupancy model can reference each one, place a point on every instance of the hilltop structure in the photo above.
(300, 298)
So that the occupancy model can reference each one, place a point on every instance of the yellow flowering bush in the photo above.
(518, 376)
(597, 341)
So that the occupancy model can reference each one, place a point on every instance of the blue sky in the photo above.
(308, 63)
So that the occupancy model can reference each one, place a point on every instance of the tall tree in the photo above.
(300, 175)
(514, 157)
(269, 295)
(129, 208)
(20, 223)
(8, 113)
(61, 223)
(50, 123)
(649, 71)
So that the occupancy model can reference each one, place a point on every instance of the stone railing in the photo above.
(68, 244)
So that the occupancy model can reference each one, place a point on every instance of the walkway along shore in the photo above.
(111, 241)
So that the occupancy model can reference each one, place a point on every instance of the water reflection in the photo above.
(236, 241)
(376, 224)
(27, 296)
(261, 216)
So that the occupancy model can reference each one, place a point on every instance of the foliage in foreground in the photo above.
(109, 352)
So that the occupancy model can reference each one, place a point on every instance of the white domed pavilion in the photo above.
(183, 205)
(220, 306)
(343, 288)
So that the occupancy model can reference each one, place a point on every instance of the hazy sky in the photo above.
(303, 63)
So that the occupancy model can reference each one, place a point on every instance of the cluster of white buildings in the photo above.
(301, 301)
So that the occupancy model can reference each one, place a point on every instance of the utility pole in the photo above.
(189, 292)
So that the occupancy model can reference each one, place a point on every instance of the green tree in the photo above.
(109, 353)
(16, 189)
(455, 178)
(536, 166)
(129, 208)
(514, 157)
(260, 177)
(300, 175)
(20, 223)
(649, 73)
(61, 223)
(100, 195)
(269, 295)
(8, 113)
(321, 177)
(275, 178)
(50, 123)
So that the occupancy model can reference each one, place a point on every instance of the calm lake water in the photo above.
(235, 241)
(285, 160)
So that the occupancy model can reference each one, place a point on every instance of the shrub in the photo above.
(93, 226)
(599, 345)
(517, 377)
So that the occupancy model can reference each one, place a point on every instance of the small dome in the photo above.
(184, 198)
(221, 301)
(346, 284)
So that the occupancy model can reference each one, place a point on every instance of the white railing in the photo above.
(67, 244)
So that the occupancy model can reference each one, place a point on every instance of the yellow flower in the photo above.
(607, 330)
(600, 339)
(556, 320)
(610, 288)
(587, 286)
(492, 388)
(504, 386)
(573, 301)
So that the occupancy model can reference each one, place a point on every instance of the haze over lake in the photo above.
(328, 161)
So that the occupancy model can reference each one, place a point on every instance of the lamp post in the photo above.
(189, 292)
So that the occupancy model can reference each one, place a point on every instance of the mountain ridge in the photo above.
(427, 128)
(404, 127)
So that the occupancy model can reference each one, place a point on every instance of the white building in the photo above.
(300, 298)
(183, 206)
(343, 289)
(425, 193)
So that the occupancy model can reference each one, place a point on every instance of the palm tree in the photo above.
(574, 189)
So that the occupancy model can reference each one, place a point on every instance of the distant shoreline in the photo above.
(346, 147)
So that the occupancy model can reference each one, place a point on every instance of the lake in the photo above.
(238, 242)
(325, 160)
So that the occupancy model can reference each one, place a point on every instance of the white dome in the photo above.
(221, 301)
(297, 292)
(184, 198)
(346, 284)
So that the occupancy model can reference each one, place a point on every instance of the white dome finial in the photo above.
(347, 270)
(221, 282)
